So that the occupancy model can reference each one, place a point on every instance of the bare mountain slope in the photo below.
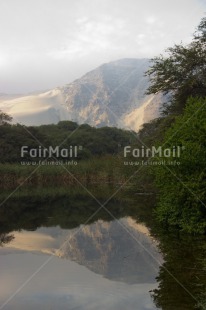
(111, 95)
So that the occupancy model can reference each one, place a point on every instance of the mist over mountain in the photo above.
(110, 95)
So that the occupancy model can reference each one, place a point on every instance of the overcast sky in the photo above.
(48, 43)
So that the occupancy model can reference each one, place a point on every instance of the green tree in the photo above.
(182, 73)
(182, 201)
(4, 118)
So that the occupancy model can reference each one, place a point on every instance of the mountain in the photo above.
(111, 95)
(118, 254)
(121, 250)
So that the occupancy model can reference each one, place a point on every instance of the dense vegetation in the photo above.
(94, 141)
(181, 75)
(182, 188)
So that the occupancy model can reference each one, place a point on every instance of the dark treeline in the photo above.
(94, 141)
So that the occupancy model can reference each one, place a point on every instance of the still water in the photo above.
(57, 252)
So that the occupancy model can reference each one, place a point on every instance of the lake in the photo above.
(60, 249)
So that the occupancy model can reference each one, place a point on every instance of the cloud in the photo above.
(91, 36)
(151, 20)
(83, 34)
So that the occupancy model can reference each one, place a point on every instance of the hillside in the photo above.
(111, 95)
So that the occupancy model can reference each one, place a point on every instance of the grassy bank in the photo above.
(98, 170)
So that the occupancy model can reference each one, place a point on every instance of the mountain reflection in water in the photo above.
(106, 264)
(105, 248)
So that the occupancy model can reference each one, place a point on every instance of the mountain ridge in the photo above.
(113, 95)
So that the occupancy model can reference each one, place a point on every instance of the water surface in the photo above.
(57, 252)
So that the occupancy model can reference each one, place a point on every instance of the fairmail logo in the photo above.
(57, 152)
(142, 152)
